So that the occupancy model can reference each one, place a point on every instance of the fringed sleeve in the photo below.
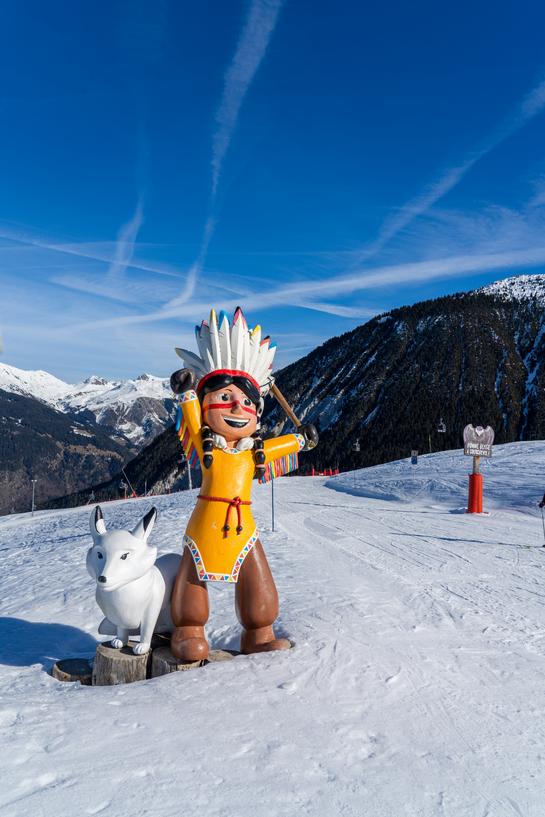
(188, 426)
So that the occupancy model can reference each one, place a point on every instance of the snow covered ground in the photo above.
(416, 687)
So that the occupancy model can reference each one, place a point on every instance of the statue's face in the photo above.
(229, 412)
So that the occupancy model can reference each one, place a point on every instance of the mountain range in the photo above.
(411, 378)
(70, 436)
(136, 409)
(388, 386)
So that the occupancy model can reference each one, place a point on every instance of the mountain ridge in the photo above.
(134, 408)
(476, 357)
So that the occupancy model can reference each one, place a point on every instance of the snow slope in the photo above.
(415, 688)
(518, 288)
(39, 384)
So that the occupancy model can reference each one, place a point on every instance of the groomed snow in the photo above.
(416, 687)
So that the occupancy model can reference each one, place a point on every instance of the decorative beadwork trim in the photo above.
(204, 575)
(187, 396)
(301, 441)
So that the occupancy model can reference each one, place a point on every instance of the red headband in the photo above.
(231, 373)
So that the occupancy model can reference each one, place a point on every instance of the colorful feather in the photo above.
(203, 342)
(253, 344)
(237, 339)
(191, 359)
(225, 337)
(215, 340)
(224, 346)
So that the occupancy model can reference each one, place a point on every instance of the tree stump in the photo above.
(73, 669)
(164, 662)
(160, 640)
(122, 666)
(216, 656)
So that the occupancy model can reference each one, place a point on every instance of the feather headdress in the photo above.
(233, 349)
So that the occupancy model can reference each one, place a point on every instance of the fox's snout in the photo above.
(102, 579)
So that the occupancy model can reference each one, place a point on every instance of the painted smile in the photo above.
(235, 423)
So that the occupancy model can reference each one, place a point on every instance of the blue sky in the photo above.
(316, 162)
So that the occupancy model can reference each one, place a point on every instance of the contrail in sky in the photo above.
(251, 48)
(530, 106)
(126, 239)
(306, 293)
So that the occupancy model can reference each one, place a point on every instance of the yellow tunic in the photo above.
(219, 554)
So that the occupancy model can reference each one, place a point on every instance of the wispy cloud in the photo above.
(123, 290)
(252, 45)
(528, 108)
(306, 293)
(251, 48)
(95, 251)
(538, 199)
(126, 240)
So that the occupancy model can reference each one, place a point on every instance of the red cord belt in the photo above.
(231, 503)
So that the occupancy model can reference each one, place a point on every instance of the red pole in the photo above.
(475, 495)
(475, 498)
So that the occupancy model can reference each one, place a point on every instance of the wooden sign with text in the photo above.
(478, 441)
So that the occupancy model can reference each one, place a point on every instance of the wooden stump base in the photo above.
(163, 662)
(111, 666)
(160, 640)
(221, 655)
(122, 666)
(73, 669)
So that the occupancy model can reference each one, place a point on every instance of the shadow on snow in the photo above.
(23, 643)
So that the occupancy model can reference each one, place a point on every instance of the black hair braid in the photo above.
(259, 456)
(207, 446)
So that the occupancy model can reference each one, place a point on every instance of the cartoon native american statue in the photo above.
(221, 400)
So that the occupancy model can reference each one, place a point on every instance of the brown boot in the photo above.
(189, 644)
(190, 609)
(256, 601)
(262, 640)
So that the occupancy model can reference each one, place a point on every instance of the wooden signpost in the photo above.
(478, 442)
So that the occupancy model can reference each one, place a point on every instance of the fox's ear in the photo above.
(145, 526)
(97, 522)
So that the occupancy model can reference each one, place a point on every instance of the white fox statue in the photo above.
(133, 590)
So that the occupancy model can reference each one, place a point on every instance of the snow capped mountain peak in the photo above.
(518, 288)
(138, 408)
(95, 380)
(41, 385)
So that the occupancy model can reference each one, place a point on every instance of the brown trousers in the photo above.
(256, 599)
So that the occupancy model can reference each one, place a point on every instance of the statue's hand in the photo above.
(310, 434)
(183, 380)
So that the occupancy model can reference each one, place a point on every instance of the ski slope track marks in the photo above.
(416, 686)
